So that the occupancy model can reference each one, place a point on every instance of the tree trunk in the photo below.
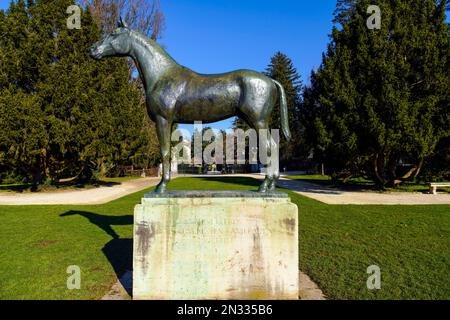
(347, 178)
(378, 168)
(38, 172)
(37, 176)
(419, 168)
(411, 174)
(44, 163)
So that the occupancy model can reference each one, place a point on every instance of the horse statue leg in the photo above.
(270, 161)
(261, 129)
(163, 128)
(273, 163)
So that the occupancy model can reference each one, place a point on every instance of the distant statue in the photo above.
(176, 94)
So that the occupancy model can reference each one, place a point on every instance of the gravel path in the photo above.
(90, 196)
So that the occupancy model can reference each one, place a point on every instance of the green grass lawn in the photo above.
(363, 184)
(337, 243)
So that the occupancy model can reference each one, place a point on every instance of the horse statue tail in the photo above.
(284, 111)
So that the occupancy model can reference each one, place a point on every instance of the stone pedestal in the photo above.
(215, 245)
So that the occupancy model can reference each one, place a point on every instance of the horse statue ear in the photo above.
(122, 24)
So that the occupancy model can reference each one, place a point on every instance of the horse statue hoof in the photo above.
(272, 186)
(262, 188)
(161, 188)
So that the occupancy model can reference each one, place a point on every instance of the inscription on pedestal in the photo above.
(215, 248)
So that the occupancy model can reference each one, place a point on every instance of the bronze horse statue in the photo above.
(176, 94)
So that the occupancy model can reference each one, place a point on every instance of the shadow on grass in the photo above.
(74, 184)
(339, 184)
(285, 184)
(118, 251)
(15, 187)
(56, 185)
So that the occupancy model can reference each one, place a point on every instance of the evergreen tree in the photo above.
(344, 10)
(22, 125)
(380, 99)
(63, 114)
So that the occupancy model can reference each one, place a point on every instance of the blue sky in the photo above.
(222, 35)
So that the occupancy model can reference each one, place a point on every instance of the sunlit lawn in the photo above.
(337, 243)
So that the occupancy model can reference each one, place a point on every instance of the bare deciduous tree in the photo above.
(144, 16)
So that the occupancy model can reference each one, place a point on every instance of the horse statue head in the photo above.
(117, 43)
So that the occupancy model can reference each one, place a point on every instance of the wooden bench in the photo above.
(434, 186)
